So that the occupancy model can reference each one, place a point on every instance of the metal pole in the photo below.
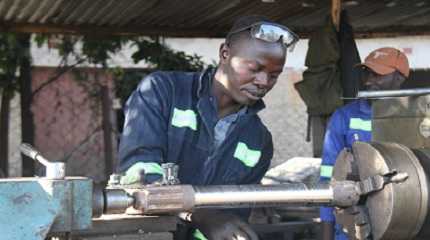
(107, 131)
(250, 195)
(393, 93)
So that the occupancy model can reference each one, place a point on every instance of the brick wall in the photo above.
(68, 119)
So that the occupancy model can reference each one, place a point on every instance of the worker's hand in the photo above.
(215, 225)
(327, 231)
(134, 175)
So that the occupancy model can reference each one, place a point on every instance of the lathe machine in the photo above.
(380, 190)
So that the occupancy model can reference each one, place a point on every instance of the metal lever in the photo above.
(54, 170)
(377, 182)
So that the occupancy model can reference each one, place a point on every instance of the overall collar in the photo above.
(365, 106)
(204, 85)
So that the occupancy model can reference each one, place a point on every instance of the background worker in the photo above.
(384, 69)
(207, 123)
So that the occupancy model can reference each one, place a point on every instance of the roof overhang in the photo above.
(205, 18)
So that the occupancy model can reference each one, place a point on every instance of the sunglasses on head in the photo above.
(271, 32)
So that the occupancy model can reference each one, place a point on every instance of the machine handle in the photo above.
(31, 152)
(54, 170)
(28, 150)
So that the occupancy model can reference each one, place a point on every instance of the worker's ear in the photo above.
(399, 79)
(224, 53)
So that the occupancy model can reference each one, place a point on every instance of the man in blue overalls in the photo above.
(383, 69)
(207, 122)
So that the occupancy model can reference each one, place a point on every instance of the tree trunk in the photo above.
(4, 132)
(27, 124)
(107, 131)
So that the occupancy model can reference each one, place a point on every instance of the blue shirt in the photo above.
(225, 125)
(170, 118)
(347, 125)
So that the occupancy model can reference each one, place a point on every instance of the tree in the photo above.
(14, 59)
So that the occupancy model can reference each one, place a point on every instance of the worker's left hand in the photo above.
(134, 175)
(215, 225)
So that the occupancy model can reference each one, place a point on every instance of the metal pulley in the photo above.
(394, 182)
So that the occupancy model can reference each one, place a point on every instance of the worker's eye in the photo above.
(273, 77)
(254, 69)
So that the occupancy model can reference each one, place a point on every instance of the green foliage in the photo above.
(40, 39)
(165, 58)
(159, 57)
(11, 54)
(97, 50)
(127, 81)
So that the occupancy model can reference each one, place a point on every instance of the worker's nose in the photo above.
(369, 82)
(262, 80)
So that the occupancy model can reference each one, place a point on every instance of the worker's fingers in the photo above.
(250, 233)
(240, 235)
(133, 175)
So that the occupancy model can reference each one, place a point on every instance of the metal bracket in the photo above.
(170, 174)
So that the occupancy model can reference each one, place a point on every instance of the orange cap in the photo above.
(386, 60)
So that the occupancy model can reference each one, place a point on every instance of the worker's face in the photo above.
(252, 69)
(375, 82)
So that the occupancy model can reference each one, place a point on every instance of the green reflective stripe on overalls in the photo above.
(247, 156)
(326, 171)
(184, 118)
(360, 124)
(199, 235)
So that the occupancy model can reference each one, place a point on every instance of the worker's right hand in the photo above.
(215, 225)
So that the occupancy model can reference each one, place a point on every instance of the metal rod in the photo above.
(177, 198)
(115, 201)
(31, 152)
(233, 195)
(393, 93)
